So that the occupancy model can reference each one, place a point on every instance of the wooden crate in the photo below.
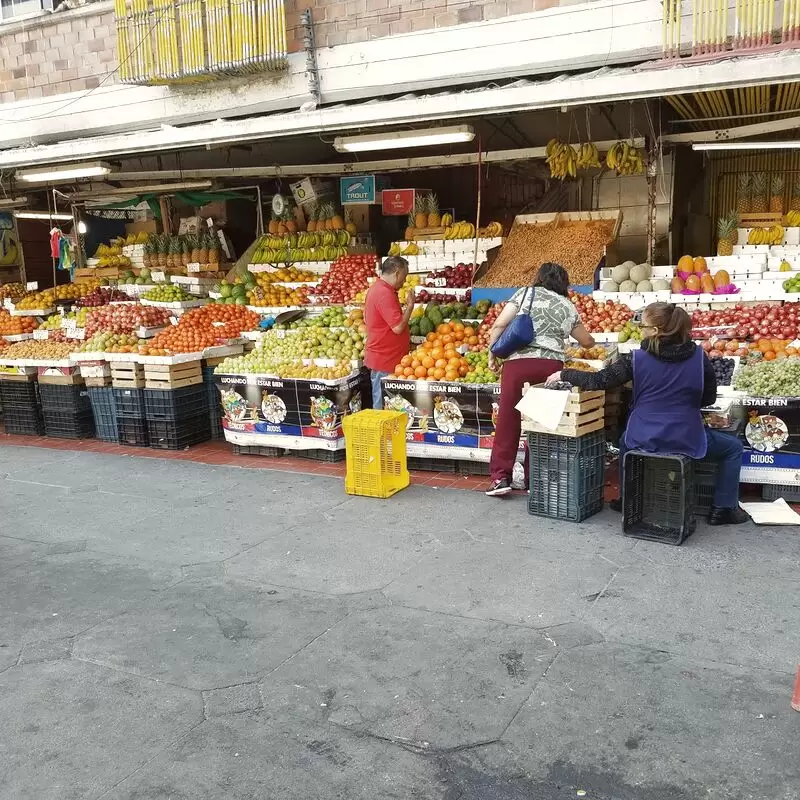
(127, 375)
(213, 362)
(16, 377)
(765, 219)
(56, 379)
(584, 413)
(173, 376)
(428, 234)
(98, 383)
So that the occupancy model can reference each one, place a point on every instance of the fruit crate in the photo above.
(178, 434)
(376, 453)
(583, 414)
(129, 403)
(258, 450)
(566, 475)
(15, 394)
(447, 465)
(173, 376)
(175, 404)
(327, 456)
(658, 498)
(215, 425)
(127, 375)
(133, 431)
(104, 409)
(69, 424)
(773, 492)
(705, 482)
(23, 421)
(64, 399)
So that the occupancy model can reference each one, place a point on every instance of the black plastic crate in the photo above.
(432, 464)
(132, 431)
(23, 421)
(258, 450)
(328, 456)
(658, 498)
(104, 410)
(69, 424)
(215, 423)
(705, 482)
(567, 475)
(176, 404)
(129, 403)
(19, 394)
(473, 467)
(791, 494)
(70, 399)
(178, 434)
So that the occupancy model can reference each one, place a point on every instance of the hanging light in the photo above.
(426, 137)
(53, 174)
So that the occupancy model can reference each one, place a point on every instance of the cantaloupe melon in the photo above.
(641, 272)
(620, 273)
(661, 285)
(627, 286)
(644, 286)
(609, 286)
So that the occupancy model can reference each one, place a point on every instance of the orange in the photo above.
(431, 336)
(463, 370)
(420, 372)
(472, 340)
(406, 361)
(443, 328)
(447, 339)
(415, 362)
(431, 370)
(408, 372)
(438, 373)
(451, 375)
(457, 326)
(427, 362)
(469, 330)
(764, 345)
(455, 361)
(437, 353)
(398, 370)
(427, 345)
(769, 355)
(441, 363)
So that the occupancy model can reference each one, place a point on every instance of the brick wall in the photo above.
(76, 50)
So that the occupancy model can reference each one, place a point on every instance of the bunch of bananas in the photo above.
(492, 230)
(588, 156)
(773, 235)
(625, 159)
(447, 219)
(460, 230)
(562, 159)
(793, 219)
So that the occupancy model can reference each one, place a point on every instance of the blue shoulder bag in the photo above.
(519, 333)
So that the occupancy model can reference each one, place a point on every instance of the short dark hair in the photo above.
(393, 264)
(553, 277)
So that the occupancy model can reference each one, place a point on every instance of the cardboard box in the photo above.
(146, 226)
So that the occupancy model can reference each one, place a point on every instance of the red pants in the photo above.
(516, 373)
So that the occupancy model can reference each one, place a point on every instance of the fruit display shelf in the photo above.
(320, 267)
(177, 305)
(18, 337)
(25, 312)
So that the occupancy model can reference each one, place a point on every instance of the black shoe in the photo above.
(616, 505)
(727, 516)
(499, 488)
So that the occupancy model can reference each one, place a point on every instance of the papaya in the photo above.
(685, 264)
(700, 265)
(693, 283)
(722, 279)
(707, 284)
(677, 285)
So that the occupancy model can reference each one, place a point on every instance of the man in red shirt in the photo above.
(388, 337)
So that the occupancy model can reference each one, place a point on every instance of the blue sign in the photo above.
(776, 459)
(357, 189)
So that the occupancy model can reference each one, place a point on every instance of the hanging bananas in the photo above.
(562, 159)
(772, 236)
(625, 159)
(588, 157)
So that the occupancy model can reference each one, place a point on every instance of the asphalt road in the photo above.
(172, 631)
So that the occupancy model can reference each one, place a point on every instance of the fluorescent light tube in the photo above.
(746, 145)
(390, 141)
(68, 172)
(41, 215)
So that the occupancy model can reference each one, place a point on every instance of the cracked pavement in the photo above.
(174, 631)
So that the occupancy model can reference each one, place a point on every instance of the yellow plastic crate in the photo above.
(375, 443)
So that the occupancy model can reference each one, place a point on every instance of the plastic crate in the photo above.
(257, 450)
(705, 483)
(176, 404)
(170, 434)
(23, 421)
(69, 399)
(326, 456)
(772, 492)
(19, 394)
(104, 410)
(566, 475)
(375, 453)
(132, 431)
(473, 467)
(215, 425)
(658, 497)
(129, 403)
(447, 465)
(69, 424)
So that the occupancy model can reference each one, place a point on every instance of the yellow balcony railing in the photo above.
(170, 41)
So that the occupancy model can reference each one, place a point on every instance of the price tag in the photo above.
(158, 276)
(40, 335)
(8, 302)
(193, 267)
(32, 286)
(173, 320)
(439, 282)
(69, 323)
(76, 333)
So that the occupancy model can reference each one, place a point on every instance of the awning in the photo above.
(606, 85)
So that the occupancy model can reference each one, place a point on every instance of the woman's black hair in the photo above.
(553, 277)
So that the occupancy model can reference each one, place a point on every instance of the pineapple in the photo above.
(213, 250)
(291, 222)
(162, 251)
(185, 250)
(337, 223)
(420, 214)
(759, 203)
(311, 225)
(148, 253)
(726, 235)
(174, 255)
(743, 197)
(794, 204)
(202, 251)
(273, 226)
(409, 234)
(194, 253)
(776, 194)
(434, 217)
(349, 225)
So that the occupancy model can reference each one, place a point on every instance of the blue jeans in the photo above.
(725, 450)
(377, 399)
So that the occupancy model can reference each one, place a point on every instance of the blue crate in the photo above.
(104, 410)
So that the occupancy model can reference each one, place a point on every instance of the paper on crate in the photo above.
(544, 406)
(778, 512)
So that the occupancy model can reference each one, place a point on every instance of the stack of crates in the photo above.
(177, 418)
(375, 443)
(131, 422)
(67, 410)
(22, 410)
(104, 410)
(213, 400)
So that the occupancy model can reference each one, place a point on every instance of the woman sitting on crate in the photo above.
(554, 318)
(672, 380)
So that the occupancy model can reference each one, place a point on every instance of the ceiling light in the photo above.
(795, 145)
(68, 172)
(150, 188)
(41, 215)
(390, 141)
(13, 202)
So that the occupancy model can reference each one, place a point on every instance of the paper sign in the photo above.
(777, 513)
(397, 202)
(32, 286)
(76, 333)
(40, 335)
(303, 191)
(193, 267)
(157, 276)
(69, 323)
(545, 407)
(8, 302)
(440, 282)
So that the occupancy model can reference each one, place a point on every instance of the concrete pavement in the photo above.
(173, 631)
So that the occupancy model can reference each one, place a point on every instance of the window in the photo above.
(11, 9)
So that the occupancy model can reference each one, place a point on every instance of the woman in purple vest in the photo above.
(672, 380)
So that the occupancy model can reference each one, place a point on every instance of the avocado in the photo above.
(425, 326)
